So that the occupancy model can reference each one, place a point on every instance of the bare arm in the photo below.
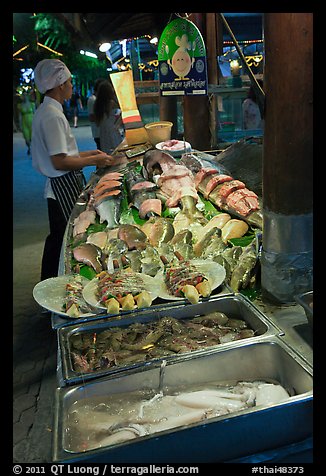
(86, 158)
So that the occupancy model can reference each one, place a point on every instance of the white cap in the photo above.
(50, 73)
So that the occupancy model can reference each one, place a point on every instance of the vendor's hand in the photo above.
(103, 160)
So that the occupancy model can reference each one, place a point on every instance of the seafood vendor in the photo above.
(56, 156)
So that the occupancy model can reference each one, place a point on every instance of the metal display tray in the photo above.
(234, 306)
(219, 439)
(306, 300)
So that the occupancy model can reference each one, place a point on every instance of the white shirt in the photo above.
(51, 135)
(90, 109)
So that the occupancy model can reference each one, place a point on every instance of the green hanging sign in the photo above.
(182, 59)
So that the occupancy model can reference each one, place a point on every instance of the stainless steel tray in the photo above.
(305, 300)
(219, 439)
(58, 321)
(234, 306)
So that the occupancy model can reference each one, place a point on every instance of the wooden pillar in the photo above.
(169, 112)
(196, 108)
(287, 158)
(212, 73)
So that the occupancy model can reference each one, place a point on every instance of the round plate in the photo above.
(50, 294)
(185, 147)
(214, 272)
(89, 291)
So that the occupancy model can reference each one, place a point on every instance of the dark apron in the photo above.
(67, 189)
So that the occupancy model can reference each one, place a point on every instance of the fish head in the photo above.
(155, 162)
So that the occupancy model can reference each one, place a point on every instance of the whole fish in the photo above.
(155, 162)
(133, 236)
(89, 254)
(189, 216)
(82, 222)
(158, 230)
(243, 271)
(142, 194)
(108, 207)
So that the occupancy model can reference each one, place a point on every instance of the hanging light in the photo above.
(234, 65)
(104, 47)
(154, 40)
(88, 53)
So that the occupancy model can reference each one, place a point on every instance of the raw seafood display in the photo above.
(96, 422)
(163, 211)
(139, 342)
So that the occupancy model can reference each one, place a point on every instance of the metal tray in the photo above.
(218, 439)
(234, 306)
(305, 300)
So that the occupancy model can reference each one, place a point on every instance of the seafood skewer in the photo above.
(74, 304)
(121, 288)
(185, 280)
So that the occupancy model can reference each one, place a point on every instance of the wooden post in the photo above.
(212, 73)
(196, 108)
(169, 112)
(287, 158)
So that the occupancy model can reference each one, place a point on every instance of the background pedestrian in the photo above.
(108, 117)
(90, 108)
(75, 106)
(250, 110)
(26, 111)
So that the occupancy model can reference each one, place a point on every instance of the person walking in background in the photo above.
(56, 156)
(65, 108)
(90, 109)
(75, 106)
(108, 117)
(250, 110)
(26, 111)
